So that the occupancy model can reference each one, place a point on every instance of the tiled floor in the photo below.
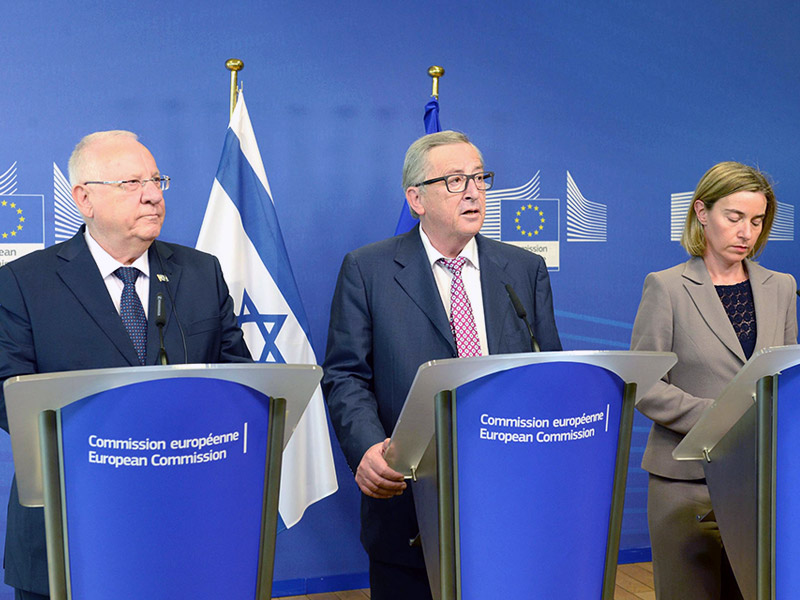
(634, 582)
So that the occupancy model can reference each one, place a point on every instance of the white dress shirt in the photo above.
(107, 265)
(470, 275)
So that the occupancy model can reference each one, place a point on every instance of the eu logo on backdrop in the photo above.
(529, 220)
(518, 216)
(21, 225)
(532, 224)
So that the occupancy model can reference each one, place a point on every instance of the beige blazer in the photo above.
(681, 312)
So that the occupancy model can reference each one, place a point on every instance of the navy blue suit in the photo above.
(56, 315)
(387, 319)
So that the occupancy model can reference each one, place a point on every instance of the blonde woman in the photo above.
(713, 311)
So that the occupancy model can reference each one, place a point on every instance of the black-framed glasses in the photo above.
(134, 185)
(458, 182)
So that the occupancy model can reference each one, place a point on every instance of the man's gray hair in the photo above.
(78, 166)
(416, 163)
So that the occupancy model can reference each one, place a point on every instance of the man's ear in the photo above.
(81, 197)
(414, 199)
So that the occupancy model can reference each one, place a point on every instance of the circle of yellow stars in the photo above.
(13, 233)
(536, 231)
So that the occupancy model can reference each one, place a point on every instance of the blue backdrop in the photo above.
(612, 110)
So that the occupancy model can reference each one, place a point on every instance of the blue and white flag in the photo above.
(241, 228)
(431, 119)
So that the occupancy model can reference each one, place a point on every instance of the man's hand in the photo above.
(375, 477)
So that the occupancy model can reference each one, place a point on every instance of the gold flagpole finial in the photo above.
(234, 65)
(435, 72)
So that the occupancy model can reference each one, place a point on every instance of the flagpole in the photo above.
(234, 65)
(431, 120)
(435, 72)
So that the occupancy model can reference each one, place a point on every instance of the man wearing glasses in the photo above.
(90, 303)
(438, 291)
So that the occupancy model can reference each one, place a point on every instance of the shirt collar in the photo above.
(470, 251)
(108, 264)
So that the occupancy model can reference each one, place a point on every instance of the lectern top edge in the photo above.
(178, 369)
(735, 399)
(414, 427)
(28, 395)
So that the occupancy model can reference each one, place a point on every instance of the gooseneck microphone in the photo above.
(522, 314)
(162, 277)
(161, 320)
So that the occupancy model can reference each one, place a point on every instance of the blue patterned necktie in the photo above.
(131, 311)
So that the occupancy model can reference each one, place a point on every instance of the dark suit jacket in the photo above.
(387, 319)
(56, 315)
(681, 312)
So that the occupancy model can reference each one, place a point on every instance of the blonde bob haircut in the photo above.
(721, 180)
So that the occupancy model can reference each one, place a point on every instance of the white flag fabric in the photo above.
(241, 228)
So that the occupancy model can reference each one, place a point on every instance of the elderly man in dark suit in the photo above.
(435, 292)
(82, 304)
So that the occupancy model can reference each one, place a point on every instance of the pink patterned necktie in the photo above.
(462, 321)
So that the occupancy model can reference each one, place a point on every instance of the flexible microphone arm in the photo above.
(162, 277)
(522, 314)
(161, 320)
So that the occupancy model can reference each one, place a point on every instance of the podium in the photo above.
(519, 469)
(157, 482)
(749, 441)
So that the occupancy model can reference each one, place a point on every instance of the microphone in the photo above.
(520, 310)
(161, 320)
(165, 280)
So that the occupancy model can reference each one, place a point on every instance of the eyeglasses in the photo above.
(458, 182)
(134, 185)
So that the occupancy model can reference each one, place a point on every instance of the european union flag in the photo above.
(431, 119)
(21, 219)
(529, 220)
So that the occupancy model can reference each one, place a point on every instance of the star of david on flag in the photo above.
(269, 326)
(241, 228)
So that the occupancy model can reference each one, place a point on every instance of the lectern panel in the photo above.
(536, 452)
(787, 485)
(164, 490)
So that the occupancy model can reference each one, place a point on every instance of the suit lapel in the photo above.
(698, 284)
(416, 279)
(80, 274)
(161, 264)
(765, 293)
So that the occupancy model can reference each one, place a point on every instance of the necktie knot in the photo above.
(454, 265)
(128, 275)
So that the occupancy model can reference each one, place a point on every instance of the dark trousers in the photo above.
(689, 560)
(397, 582)
(23, 595)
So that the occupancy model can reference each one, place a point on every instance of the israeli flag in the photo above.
(241, 228)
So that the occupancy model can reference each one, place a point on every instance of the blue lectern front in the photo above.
(158, 482)
(519, 469)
